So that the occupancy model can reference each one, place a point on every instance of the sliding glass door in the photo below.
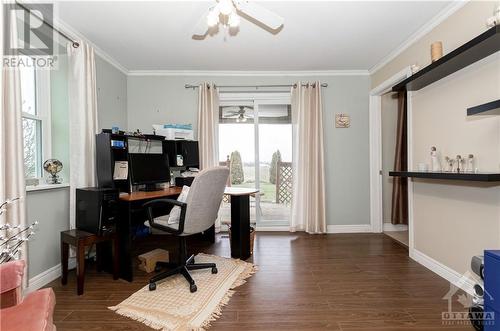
(255, 142)
(274, 157)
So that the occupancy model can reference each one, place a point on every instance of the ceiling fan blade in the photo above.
(201, 28)
(259, 13)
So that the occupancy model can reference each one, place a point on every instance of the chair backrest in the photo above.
(204, 199)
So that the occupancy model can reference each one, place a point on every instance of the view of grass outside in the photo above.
(266, 187)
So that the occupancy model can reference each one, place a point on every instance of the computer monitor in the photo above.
(149, 169)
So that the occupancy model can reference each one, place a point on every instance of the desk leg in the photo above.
(125, 242)
(116, 257)
(80, 266)
(64, 262)
(240, 226)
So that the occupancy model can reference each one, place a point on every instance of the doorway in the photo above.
(255, 142)
(389, 127)
(379, 215)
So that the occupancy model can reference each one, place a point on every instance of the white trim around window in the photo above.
(43, 116)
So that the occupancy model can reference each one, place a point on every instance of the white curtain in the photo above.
(308, 206)
(208, 108)
(82, 120)
(12, 184)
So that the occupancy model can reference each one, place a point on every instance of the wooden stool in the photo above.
(81, 239)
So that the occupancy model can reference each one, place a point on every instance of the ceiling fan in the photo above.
(239, 114)
(227, 13)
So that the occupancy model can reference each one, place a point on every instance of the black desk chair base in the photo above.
(182, 268)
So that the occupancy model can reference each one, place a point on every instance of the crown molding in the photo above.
(435, 21)
(75, 34)
(241, 73)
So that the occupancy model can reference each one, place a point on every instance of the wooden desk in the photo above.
(240, 220)
(131, 204)
(143, 195)
(130, 208)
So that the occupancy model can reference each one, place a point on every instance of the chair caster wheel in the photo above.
(193, 288)
(152, 286)
(214, 270)
(158, 268)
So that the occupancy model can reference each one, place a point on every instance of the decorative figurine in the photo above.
(435, 163)
(470, 163)
(53, 166)
(414, 68)
(449, 162)
(495, 19)
(460, 163)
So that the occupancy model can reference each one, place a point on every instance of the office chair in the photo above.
(198, 214)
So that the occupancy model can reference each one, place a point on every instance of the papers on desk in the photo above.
(121, 170)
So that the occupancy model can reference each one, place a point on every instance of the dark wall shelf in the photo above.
(483, 108)
(478, 177)
(476, 49)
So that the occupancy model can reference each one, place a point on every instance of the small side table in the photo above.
(81, 239)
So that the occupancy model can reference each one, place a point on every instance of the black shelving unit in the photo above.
(467, 176)
(476, 49)
(107, 155)
(483, 108)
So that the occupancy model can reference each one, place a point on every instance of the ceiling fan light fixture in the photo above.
(234, 20)
(241, 119)
(226, 7)
(212, 18)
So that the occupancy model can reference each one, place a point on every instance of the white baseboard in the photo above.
(389, 227)
(47, 276)
(463, 281)
(224, 228)
(354, 228)
(272, 228)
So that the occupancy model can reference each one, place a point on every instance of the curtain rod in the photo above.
(74, 43)
(251, 86)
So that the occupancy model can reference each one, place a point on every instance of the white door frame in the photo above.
(376, 204)
(257, 99)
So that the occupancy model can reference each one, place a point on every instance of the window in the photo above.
(35, 119)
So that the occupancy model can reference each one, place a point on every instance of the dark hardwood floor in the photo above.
(305, 282)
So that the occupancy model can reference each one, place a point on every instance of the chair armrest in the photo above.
(34, 313)
(11, 275)
(158, 202)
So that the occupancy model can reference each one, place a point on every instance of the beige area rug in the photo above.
(173, 307)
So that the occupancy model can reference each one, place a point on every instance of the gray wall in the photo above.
(111, 96)
(163, 99)
(51, 207)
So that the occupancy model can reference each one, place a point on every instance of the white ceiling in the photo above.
(317, 35)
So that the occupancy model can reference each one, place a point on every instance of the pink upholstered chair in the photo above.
(32, 313)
